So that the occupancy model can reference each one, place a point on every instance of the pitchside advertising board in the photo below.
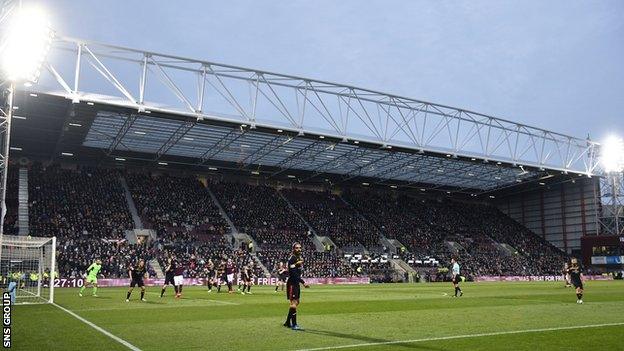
(79, 282)
(607, 259)
(535, 278)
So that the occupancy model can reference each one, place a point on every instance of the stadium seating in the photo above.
(175, 206)
(86, 208)
(77, 203)
(472, 232)
(10, 219)
(330, 216)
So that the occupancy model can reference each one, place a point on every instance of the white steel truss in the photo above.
(152, 82)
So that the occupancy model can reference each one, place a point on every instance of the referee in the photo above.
(456, 277)
(293, 289)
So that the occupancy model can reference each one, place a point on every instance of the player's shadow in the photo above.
(150, 302)
(368, 339)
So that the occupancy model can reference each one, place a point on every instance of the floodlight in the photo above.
(612, 155)
(26, 45)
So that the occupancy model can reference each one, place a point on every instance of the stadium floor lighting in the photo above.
(612, 154)
(27, 44)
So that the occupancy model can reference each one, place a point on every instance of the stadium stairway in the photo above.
(222, 211)
(402, 267)
(392, 245)
(138, 224)
(240, 238)
(259, 263)
(379, 231)
(319, 241)
(507, 249)
(454, 247)
(23, 222)
(159, 271)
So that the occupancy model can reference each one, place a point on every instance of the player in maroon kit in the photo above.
(178, 278)
(230, 269)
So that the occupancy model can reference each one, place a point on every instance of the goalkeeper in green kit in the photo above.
(92, 274)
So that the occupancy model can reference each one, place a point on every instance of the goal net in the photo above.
(29, 263)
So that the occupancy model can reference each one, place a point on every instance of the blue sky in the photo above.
(558, 65)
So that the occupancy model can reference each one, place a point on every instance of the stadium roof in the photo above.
(209, 116)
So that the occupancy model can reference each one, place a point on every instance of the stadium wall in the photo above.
(560, 213)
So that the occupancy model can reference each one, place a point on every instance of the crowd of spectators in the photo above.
(533, 255)
(11, 201)
(261, 212)
(77, 203)
(316, 264)
(76, 254)
(87, 210)
(175, 206)
(332, 217)
(472, 232)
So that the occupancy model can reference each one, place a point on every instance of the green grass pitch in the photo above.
(490, 316)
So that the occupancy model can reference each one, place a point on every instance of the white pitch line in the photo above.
(465, 336)
(200, 299)
(100, 329)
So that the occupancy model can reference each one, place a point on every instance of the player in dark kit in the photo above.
(220, 274)
(293, 288)
(576, 277)
(282, 275)
(246, 277)
(169, 272)
(136, 274)
(210, 275)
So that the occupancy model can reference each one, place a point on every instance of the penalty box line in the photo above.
(465, 336)
(100, 329)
